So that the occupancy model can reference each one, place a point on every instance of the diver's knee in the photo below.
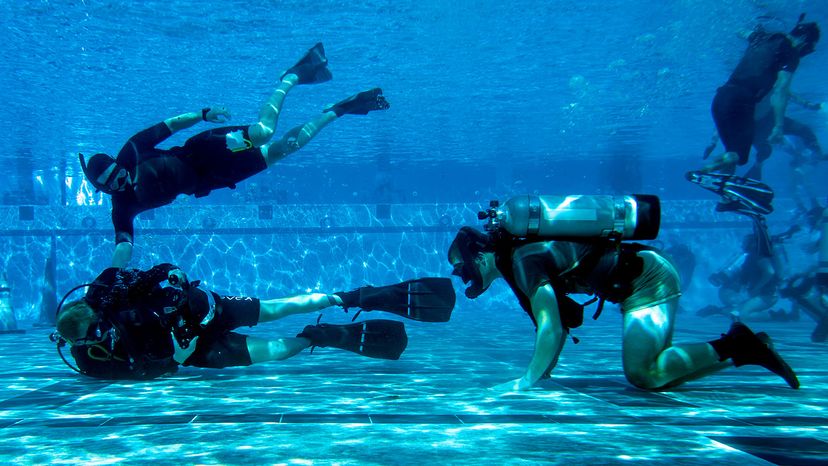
(260, 134)
(730, 158)
(642, 379)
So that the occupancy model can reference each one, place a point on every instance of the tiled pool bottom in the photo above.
(431, 407)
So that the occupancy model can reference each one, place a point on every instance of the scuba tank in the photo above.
(632, 217)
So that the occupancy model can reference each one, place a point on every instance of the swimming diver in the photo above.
(143, 177)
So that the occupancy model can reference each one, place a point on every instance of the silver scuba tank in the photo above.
(634, 217)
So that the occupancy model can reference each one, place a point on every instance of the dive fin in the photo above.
(312, 68)
(743, 195)
(378, 338)
(425, 299)
(361, 103)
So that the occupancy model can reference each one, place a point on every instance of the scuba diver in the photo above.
(763, 126)
(143, 177)
(749, 284)
(546, 247)
(809, 291)
(766, 67)
(129, 326)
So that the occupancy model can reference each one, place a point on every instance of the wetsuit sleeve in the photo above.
(143, 141)
(788, 56)
(150, 137)
(122, 221)
(109, 293)
(102, 285)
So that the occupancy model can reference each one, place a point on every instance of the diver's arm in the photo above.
(549, 336)
(186, 120)
(122, 255)
(779, 102)
(795, 98)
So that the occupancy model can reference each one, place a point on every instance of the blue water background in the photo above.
(489, 99)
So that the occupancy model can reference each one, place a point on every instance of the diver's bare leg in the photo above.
(262, 350)
(651, 361)
(724, 163)
(273, 309)
(296, 138)
(261, 132)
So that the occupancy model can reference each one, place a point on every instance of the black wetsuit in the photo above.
(754, 77)
(204, 163)
(635, 276)
(144, 314)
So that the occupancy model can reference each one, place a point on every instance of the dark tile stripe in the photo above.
(55, 395)
(428, 419)
(149, 420)
(781, 450)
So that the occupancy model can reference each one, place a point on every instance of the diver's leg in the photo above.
(310, 69)
(723, 163)
(358, 104)
(763, 152)
(804, 132)
(756, 307)
(262, 350)
(733, 115)
(261, 132)
(273, 309)
(650, 360)
(296, 138)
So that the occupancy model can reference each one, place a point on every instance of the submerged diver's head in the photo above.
(467, 256)
(105, 174)
(806, 36)
(78, 323)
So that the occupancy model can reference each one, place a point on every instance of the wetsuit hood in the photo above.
(104, 173)
(809, 34)
(463, 252)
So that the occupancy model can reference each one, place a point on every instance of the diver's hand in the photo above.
(517, 385)
(776, 135)
(216, 114)
(181, 354)
(817, 106)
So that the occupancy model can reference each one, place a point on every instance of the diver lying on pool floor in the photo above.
(127, 326)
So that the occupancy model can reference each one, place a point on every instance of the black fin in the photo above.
(743, 195)
(312, 68)
(425, 299)
(378, 338)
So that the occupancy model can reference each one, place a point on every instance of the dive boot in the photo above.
(360, 104)
(312, 68)
(746, 348)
